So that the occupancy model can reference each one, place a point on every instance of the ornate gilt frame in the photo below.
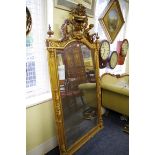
(77, 34)
(106, 22)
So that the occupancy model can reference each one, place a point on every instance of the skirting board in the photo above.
(44, 147)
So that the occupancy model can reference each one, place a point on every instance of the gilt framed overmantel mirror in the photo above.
(74, 75)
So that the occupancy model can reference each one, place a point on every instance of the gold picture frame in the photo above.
(112, 20)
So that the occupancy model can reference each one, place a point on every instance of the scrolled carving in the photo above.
(56, 95)
(75, 27)
(59, 44)
(79, 19)
(64, 29)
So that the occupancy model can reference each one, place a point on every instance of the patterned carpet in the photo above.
(109, 141)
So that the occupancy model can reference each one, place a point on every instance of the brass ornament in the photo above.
(50, 32)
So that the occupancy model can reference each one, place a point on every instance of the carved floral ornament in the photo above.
(75, 27)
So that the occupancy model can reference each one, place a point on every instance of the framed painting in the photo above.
(112, 20)
(70, 4)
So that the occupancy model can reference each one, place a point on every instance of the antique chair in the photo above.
(74, 72)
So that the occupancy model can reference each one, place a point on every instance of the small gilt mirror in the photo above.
(74, 76)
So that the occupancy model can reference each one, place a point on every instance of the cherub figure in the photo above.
(64, 30)
(90, 37)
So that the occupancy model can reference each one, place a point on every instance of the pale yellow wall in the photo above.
(40, 124)
(58, 18)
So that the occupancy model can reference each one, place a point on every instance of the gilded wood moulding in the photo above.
(77, 118)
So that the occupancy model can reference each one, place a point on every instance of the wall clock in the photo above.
(113, 60)
(112, 20)
(124, 47)
(104, 53)
(28, 21)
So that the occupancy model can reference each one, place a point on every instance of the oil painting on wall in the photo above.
(112, 20)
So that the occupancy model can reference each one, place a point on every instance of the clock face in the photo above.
(104, 50)
(124, 48)
(113, 60)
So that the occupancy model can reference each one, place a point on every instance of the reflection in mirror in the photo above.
(78, 90)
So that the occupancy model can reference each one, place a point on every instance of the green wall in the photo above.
(40, 124)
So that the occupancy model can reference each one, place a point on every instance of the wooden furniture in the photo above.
(115, 92)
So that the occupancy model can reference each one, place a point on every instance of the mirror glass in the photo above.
(76, 68)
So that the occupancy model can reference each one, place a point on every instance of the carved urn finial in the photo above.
(80, 19)
(50, 32)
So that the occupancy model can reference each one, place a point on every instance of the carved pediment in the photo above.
(76, 27)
